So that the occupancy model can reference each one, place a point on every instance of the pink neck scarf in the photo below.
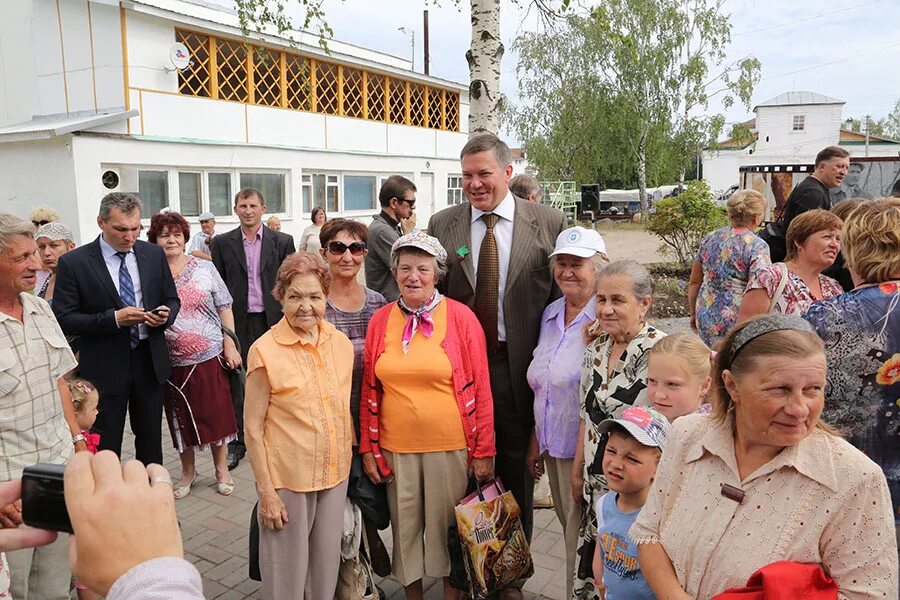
(418, 319)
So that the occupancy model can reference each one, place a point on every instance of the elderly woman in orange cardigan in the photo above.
(426, 416)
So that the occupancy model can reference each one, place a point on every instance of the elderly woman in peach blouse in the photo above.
(298, 430)
(764, 480)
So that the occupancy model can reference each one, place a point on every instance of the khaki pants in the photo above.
(302, 560)
(41, 573)
(426, 488)
(559, 473)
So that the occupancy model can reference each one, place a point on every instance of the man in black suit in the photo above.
(118, 296)
(248, 258)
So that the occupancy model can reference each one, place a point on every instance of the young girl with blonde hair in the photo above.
(678, 375)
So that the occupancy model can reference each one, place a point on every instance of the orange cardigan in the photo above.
(467, 351)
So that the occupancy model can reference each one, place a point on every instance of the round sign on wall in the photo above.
(180, 56)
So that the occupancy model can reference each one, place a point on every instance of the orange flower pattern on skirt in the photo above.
(889, 373)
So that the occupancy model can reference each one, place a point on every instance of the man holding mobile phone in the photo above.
(117, 294)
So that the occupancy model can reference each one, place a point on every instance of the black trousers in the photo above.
(143, 404)
(249, 328)
(513, 434)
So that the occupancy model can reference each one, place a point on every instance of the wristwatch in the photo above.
(78, 437)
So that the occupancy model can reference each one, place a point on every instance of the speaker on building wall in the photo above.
(111, 179)
(590, 198)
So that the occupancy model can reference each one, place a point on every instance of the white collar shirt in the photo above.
(112, 265)
(503, 233)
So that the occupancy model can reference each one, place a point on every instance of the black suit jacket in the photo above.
(529, 282)
(230, 260)
(85, 300)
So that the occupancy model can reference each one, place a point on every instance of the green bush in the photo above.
(684, 220)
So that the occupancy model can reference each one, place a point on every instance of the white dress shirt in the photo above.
(503, 233)
(112, 265)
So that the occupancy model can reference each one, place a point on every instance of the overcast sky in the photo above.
(847, 49)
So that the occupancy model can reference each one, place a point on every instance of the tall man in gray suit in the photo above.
(499, 266)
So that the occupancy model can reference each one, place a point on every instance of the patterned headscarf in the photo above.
(55, 232)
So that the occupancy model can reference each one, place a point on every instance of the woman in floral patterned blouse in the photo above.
(813, 242)
(613, 373)
(861, 330)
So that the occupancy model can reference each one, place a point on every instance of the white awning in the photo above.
(45, 128)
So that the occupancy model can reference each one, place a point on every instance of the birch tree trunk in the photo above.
(484, 56)
(642, 176)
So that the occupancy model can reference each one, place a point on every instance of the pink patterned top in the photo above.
(796, 298)
(196, 335)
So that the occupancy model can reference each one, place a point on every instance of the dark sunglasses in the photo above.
(411, 203)
(39, 223)
(338, 248)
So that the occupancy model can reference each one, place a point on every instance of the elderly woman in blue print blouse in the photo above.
(555, 373)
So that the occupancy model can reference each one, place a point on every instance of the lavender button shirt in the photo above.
(554, 374)
(253, 250)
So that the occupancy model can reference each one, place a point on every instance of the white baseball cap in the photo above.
(579, 241)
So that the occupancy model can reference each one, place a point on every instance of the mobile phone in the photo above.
(43, 499)
(159, 311)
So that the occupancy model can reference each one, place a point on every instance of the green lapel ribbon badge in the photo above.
(461, 253)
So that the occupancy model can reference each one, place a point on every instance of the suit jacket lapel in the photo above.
(141, 257)
(102, 272)
(236, 240)
(268, 252)
(461, 235)
(525, 230)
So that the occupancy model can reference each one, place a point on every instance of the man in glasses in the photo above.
(398, 203)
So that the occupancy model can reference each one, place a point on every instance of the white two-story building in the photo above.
(91, 101)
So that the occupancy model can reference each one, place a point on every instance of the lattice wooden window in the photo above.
(397, 89)
(195, 80)
(435, 97)
(452, 122)
(417, 105)
(298, 85)
(326, 88)
(231, 59)
(353, 92)
(375, 87)
(267, 76)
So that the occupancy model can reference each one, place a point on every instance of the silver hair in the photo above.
(488, 142)
(127, 203)
(524, 186)
(641, 282)
(11, 225)
(440, 266)
(600, 261)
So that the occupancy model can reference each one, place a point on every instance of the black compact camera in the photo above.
(43, 499)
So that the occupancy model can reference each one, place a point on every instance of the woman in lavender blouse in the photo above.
(555, 373)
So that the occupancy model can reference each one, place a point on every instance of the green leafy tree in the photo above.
(682, 221)
(876, 126)
(892, 123)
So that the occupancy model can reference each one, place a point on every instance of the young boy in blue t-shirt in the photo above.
(633, 447)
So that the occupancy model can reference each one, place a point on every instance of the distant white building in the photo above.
(94, 103)
(520, 163)
(790, 129)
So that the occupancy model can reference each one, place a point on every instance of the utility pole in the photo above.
(427, 58)
(867, 135)
(412, 44)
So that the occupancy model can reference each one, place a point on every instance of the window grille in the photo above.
(231, 61)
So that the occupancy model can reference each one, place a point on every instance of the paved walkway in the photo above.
(214, 529)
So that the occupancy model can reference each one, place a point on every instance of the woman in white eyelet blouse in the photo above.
(801, 493)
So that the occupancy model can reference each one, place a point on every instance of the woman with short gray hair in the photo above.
(613, 373)
(426, 414)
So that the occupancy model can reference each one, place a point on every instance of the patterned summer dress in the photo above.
(796, 298)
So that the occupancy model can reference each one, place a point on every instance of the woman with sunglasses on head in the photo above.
(350, 303)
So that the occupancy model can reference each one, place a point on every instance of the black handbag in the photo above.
(253, 562)
(369, 497)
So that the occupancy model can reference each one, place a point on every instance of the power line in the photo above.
(833, 62)
(813, 18)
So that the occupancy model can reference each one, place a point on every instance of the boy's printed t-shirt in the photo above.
(621, 571)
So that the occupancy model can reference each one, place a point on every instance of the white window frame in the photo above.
(452, 189)
(798, 123)
(236, 180)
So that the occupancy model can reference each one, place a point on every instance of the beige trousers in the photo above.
(41, 573)
(559, 473)
(426, 488)
(302, 560)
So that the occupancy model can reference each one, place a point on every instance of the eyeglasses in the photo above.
(39, 223)
(412, 203)
(338, 248)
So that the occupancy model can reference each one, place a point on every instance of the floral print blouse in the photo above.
(861, 331)
(796, 297)
(728, 258)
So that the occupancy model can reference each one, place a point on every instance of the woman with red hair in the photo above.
(198, 394)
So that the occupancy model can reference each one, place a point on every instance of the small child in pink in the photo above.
(85, 400)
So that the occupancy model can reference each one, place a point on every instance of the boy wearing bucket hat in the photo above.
(633, 448)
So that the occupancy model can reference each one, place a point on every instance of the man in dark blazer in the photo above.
(524, 235)
(248, 258)
(118, 296)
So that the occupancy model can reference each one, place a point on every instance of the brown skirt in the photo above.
(198, 406)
